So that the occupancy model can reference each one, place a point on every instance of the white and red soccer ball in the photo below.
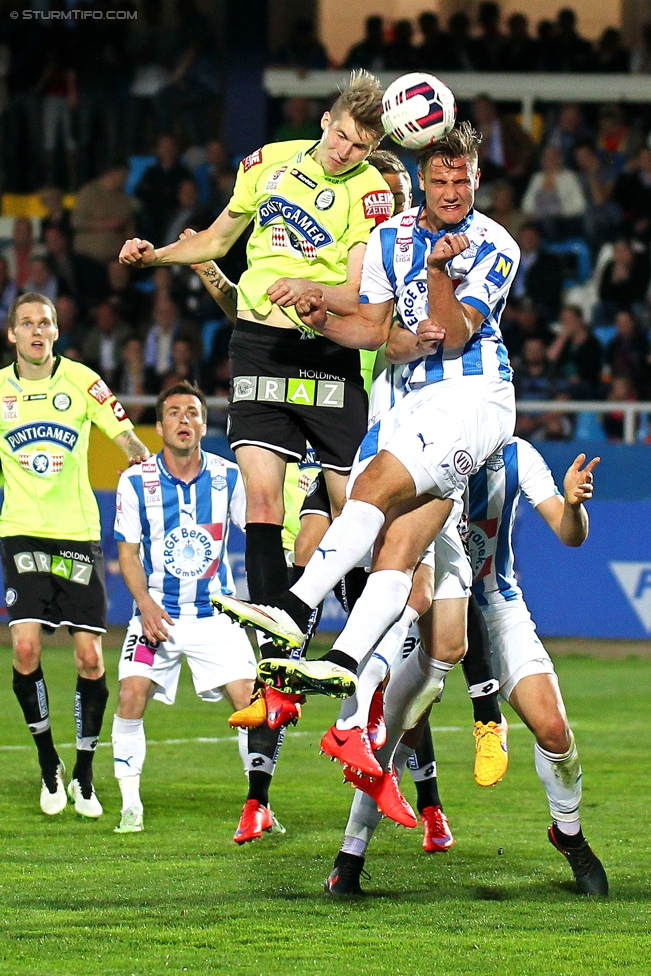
(417, 110)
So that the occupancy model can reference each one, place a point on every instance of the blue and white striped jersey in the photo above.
(395, 268)
(182, 529)
(494, 493)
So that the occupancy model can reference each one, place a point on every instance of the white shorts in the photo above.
(449, 560)
(444, 432)
(216, 649)
(516, 649)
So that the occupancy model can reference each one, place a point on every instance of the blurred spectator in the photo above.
(461, 53)
(433, 53)
(623, 282)
(506, 149)
(158, 190)
(503, 208)
(534, 380)
(610, 55)
(640, 63)
(130, 303)
(21, 251)
(80, 276)
(103, 214)
(622, 390)
(632, 192)
(539, 276)
(166, 327)
(150, 52)
(546, 35)
(602, 215)
(298, 122)
(217, 171)
(194, 81)
(42, 278)
(303, 49)
(490, 44)
(555, 197)
(400, 53)
(102, 349)
(58, 214)
(521, 322)
(8, 291)
(615, 143)
(71, 332)
(628, 353)
(520, 48)
(28, 55)
(569, 51)
(554, 426)
(370, 52)
(134, 378)
(576, 356)
(184, 364)
(568, 131)
(189, 212)
(60, 98)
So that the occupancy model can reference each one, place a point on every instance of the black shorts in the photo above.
(54, 582)
(317, 501)
(288, 390)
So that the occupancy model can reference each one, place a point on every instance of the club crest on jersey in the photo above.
(502, 267)
(40, 431)
(189, 551)
(219, 482)
(495, 461)
(482, 538)
(252, 160)
(276, 209)
(61, 402)
(10, 408)
(325, 199)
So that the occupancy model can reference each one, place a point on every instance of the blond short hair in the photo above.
(362, 99)
(460, 141)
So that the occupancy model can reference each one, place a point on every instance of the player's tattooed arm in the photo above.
(132, 446)
(218, 286)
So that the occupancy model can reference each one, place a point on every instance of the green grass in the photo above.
(181, 897)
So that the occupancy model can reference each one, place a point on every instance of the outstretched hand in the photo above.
(578, 483)
(137, 253)
(312, 309)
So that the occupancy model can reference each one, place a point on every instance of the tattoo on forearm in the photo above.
(218, 280)
(132, 445)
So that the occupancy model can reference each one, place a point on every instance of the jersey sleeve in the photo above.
(373, 206)
(243, 197)
(127, 526)
(489, 279)
(536, 480)
(237, 503)
(103, 408)
(376, 286)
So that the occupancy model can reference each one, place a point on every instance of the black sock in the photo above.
(354, 860)
(349, 589)
(478, 668)
(264, 561)
(568, 840)
(91, 697)
(264, 745)
(299, 612)
(421, 765)
(341, 659)
(315, 616)
(31, 692)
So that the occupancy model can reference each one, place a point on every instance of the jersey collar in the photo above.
(24, 379)
(459, 228)
(165, 473)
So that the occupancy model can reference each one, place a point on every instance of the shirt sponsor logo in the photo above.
(252, 160)
(482, 538)
(189, 551)
(413, 304)
(304, 179)
(500, 271)
(35, 396)
(463, 462)
(118, 410)
(151, 483)
(63, 566)
(244, 387)
(10, 408)
(61, 402)
(325, 199)
(43, 463)
(100, 391)
(277, 208)
(378, 205)
(40, 431)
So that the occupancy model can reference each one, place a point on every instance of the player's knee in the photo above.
(553, 734)
(420, 598)
(132, 701)
(27, 654)
(89, 662)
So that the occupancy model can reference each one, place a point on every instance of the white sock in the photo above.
(362, 822)
(414, 684)
(381, 603)
(561, 777)
(348, 539)
(129, 746)
(130, 790)
(354, 710)
(243, 746)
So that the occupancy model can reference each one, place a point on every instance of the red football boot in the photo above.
(282, 709)
(351, 747)
(438, 836)
(254, 820)
(385, 790)
(376, 729)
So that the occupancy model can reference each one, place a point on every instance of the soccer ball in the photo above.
(417, 110)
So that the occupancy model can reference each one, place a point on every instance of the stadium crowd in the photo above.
(576, 197)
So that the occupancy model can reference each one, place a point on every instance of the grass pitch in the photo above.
(183, 898)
